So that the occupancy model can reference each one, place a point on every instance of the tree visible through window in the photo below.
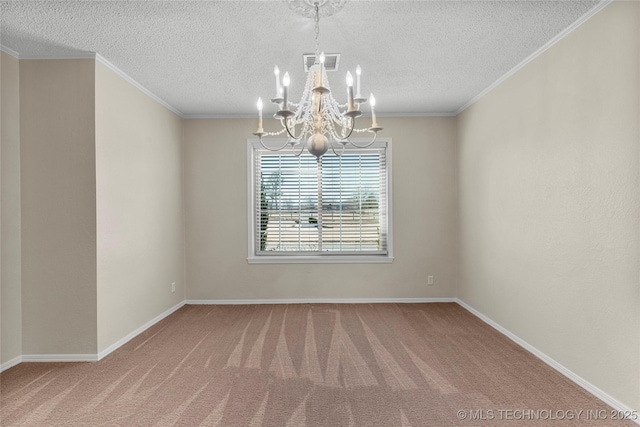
(334, 205)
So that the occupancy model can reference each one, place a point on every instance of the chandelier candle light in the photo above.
(320, 119)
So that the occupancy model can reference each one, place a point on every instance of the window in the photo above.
(332, 210)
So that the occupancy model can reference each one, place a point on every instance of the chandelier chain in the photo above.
(317, 19)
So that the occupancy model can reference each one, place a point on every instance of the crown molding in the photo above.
(253, 116)
(220, 116)
(564, 33)
(401, 115)
(9, 52)
(137, 85)
(98, 58)
(75, 55)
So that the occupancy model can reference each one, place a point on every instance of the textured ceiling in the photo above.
(216, 57)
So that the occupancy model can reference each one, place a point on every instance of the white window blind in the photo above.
(335, 206)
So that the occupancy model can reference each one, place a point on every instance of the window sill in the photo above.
(328, 259)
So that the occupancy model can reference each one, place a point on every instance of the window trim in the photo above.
(324, 258)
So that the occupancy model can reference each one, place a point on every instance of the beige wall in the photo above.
(101, 185)
(10, 294)
(58, 192)
(549, 203)
(139, 208)
(424, 211)
(525, 207)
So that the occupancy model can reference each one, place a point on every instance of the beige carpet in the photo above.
(305, 365)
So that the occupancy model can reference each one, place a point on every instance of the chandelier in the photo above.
(318, 122)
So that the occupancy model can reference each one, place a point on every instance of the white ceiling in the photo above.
(214, 58)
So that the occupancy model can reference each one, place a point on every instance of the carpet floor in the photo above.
(305, 365)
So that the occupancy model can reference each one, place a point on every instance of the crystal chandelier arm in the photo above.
(272, 149)
(293, 149)
(331, 129)
(286, 125)
(334, 150)
(369, 144)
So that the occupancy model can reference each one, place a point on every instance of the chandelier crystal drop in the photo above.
(318, 122)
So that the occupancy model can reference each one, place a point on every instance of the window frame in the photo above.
(319, 258)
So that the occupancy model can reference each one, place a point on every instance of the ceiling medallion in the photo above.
(307, 8)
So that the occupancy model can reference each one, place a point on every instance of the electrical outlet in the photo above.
(173, 286)
(430, 280)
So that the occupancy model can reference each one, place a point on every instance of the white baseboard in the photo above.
(59, 357)
(138, 331)
(95, 357)
(10, 363)
(615, 404)
(317, 301)
(88, 357)
(539, 354)
(48, 358)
